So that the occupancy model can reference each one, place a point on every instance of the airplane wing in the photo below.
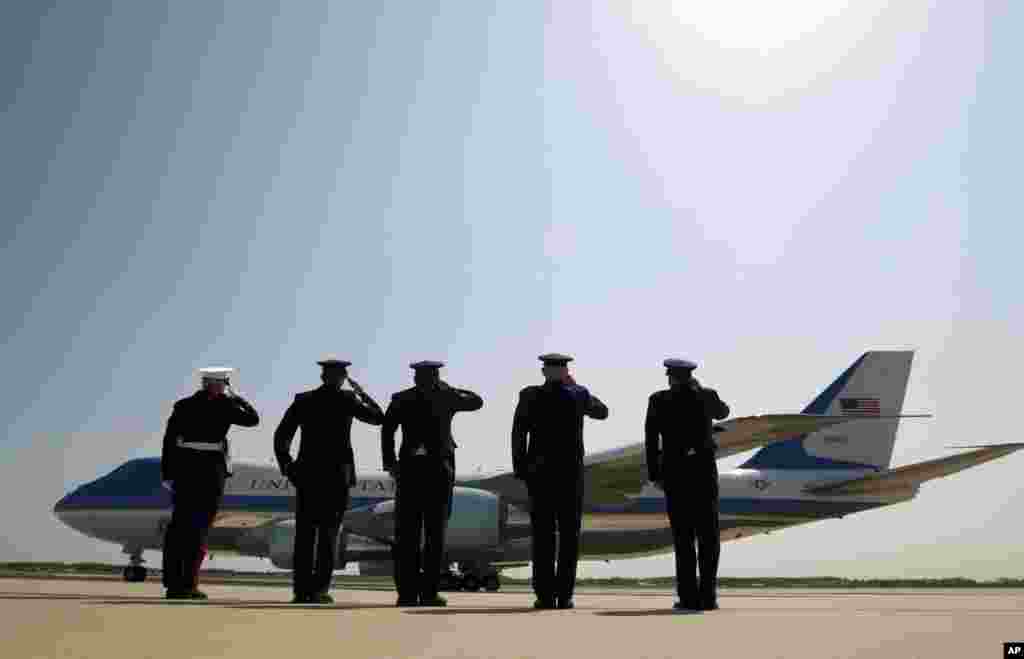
(610, 475)
(911, 476)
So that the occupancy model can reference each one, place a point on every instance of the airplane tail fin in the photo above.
(870, 393)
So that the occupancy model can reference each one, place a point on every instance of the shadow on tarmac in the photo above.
(648, 612)
(282, 606)
(136, 600)
(45, 596)
(240, 604)
(457, 611)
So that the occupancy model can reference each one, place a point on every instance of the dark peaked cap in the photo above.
(555, 359)
(331, 362)
(426, 364)
(679, 364)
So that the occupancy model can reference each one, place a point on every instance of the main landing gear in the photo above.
(135, 572)
(471, 578)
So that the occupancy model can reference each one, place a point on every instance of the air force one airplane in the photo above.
(829, 461)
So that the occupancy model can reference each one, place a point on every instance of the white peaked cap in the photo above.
(216, 373)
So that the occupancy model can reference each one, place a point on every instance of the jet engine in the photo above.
(478, 520)
(281, 546)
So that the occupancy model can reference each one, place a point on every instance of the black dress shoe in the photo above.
(433, 600)
(709, 605)
(301, 599)
(197, 595)
(566, 603)
(177, 595)
(407, 601)
(322, 598)
(688, 602)
(681, 605)
(544, 603)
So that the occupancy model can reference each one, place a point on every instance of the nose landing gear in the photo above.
(135, 572)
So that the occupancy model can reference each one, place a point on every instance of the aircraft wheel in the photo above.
(134, 573)
(492, 583)
(449, 582)
(470, 583)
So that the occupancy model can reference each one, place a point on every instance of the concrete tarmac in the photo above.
(112, 620)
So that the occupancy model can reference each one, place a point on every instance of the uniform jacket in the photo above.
(202, 418)
(325, 417)
(679, 424)
(547, 429)
(426, 421)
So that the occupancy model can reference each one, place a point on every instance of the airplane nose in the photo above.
(62, 505)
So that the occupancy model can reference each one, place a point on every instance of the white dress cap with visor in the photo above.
(216, 373)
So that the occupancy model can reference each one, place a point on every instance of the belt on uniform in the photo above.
(202, 446)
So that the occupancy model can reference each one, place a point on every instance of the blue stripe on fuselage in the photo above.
(230, 502)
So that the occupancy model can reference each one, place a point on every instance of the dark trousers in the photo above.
(318, 515)
(195, 507)
(691, 493)
(555, 506)
(421, 515)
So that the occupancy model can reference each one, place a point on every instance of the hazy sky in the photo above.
(770, 192)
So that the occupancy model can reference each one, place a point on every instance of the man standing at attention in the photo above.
(423, 473)
(193, 466)
(547, 453)
(681, 461)
(323, 472)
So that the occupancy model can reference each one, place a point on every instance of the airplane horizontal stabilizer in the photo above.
(911, 476)
(750, 432)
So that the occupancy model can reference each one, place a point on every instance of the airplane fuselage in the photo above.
(751, 501)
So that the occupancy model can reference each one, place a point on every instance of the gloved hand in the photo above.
(168, 485)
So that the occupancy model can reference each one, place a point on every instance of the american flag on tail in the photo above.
(860, 407)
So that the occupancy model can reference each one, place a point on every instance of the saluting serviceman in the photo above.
(323, 473)
(424, 473)
(193, 466)
(547, 453)
(681, 460)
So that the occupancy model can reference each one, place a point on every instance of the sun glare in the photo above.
(754, 24)
(755, 50)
